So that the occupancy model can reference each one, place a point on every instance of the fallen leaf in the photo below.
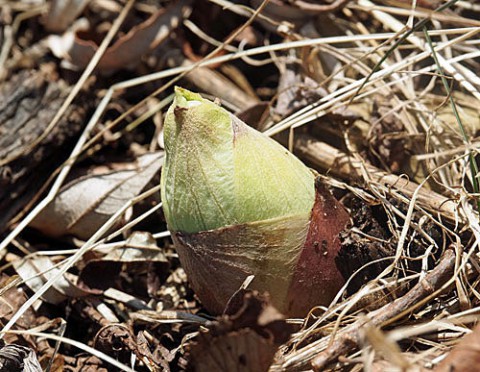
(139, 255)
(116, 340)
(84, 205)
(128, 49)
(36, 271)
(244, 341)
(18, 358)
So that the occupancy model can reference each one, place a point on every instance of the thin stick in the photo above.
(349, 338)
(341, 165)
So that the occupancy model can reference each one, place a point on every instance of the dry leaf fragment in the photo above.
(18, 358)
(140, 247)
(36, 271)
(85, 204)
(139, 255)
(245, 341)
(129, 48)
(116, 340)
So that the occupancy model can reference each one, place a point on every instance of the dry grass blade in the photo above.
(348, 167)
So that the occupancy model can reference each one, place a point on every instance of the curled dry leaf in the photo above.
(19, 358)
(244, 341)
(36, 271)
(116, 340)
(128, 49)
(157, 360)
(85, 204)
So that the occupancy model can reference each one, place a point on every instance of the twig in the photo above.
(349, 338)
(347, 167)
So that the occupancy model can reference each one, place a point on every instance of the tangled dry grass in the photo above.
(381, 98)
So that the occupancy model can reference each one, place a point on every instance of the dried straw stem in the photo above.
(348, 167)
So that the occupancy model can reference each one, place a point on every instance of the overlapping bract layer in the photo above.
(238, 203)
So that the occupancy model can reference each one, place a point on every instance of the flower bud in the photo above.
(238, 203)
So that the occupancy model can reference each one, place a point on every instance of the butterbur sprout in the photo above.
(238, 203)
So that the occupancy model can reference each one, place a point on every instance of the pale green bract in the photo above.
(219, 171)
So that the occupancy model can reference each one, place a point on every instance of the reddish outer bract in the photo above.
(218, 261)
(316, 275)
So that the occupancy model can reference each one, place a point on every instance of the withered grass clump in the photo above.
(379, 97)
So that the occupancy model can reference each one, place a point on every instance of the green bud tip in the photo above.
(220, 172)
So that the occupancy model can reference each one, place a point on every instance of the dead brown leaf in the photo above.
(37, 270)
(116, 340)
(244, 341)
(85, 204)
(18, 358)
(128, 49)
(140, 255)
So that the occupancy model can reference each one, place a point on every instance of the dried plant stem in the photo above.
(399, 27)
(347, 167)
(350, 91)
(349, 338)
(396, 25)
(471, 156)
